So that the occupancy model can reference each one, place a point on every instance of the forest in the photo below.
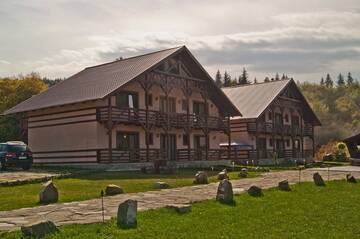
(335, 102)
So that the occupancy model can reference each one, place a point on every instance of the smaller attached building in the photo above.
(276, 122)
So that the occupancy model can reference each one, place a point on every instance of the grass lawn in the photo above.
(88, 185)
(306, 212)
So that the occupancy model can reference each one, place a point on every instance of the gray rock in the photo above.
(223, 175)
(113, 189)
(161, 185)
(284, 186)
(224, 192)
(127, 214)
(255, 191)
(243, 173)
(318, 180)
(180, 208)
(39, 229)
(350, 178)
(201, 178)
(49, 193)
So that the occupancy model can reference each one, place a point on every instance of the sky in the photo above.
(303, 39)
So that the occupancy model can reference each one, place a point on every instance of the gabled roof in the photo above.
(99, 81)
(253, 99)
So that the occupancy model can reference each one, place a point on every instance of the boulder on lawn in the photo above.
(49, 193)
(318, 180)
(39, 229)
(127, 214)
(113, 189)
(161, 185)
(284, 186)
(180, 208)
(243, 173)
(255, 191)
(225, 192)
(223, 175)
(201, 178)
(350, 178)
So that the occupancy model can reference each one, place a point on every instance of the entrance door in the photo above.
(279, 148)
(199, 147)
(128, 142)
(168, 146)
(262, 147)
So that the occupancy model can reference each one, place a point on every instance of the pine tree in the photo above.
(328, 81)
(218, 80)
(266, 79)
(340, 81)
(255, 81)
(322, 82)
(227, 79)
(243, 79)
(350, 79)
(283, 77)
(277, 77)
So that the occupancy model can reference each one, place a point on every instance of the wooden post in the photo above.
(146, 89)
(110, 126)
(229, 137)
(187, 95)
(206, 128)
(301, 135)
(313, 142)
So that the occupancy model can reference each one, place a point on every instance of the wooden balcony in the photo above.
(159, 119)
(266, 127)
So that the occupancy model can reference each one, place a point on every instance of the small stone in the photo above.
(201, 178)
(49, 193)
(284, 186)
(39, 229)
(161, 185)
(255, 191)
(243, 173)
(223, 175)
(318, 180)
(350, 178)
(224, 192)
(180, 208)
(127, 214)
(113, 189)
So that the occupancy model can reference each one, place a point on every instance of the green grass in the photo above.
(85, 186)
(306, 212)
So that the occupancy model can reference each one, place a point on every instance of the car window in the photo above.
(2, 147)
(16, 148)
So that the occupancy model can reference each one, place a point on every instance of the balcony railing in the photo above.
(157, 118)
(266, 127)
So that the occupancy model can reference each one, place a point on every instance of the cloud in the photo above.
(4, 62)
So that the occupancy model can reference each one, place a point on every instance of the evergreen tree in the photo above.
(283, 77)
(266, 79)
(255, 81)
(243, 79)
(322, 82)
(350, 79)
(227, 79)
(218, 80)
(328, 81)
(277, 77)
(340, 81)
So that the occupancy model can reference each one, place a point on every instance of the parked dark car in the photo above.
(15, 154)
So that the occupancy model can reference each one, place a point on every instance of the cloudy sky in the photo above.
(304, 39)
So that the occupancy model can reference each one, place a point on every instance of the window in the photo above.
(126, 100)
(199, 108)
(271, 143)
(149, 100)
(163, 105)
(150, 138)
(184, 105)
(288, 143)
(199, 142)
(270, 115)
(286, 118)
(127, 140)
(185, 139)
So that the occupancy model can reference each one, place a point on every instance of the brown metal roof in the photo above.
(93, 82)
(253, 99)
(99, 81)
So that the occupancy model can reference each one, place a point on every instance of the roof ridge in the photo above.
(253, 84)
(132, 57)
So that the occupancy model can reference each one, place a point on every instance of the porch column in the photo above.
(301, 134)
(187, 96)
(257, 140)
(206, 127)
(313, 141)
(229, 136)
(146, 89)
(109, 127)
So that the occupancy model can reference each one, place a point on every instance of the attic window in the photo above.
(270, 115)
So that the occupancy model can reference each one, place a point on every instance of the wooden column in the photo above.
(109, 128)
(187, 95)
(301, 135)
(229, 136)
(313, 141)
(146, 89)
(257, 139)
(206, 127)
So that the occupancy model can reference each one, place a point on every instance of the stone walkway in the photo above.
(15, 177)
(90, 211)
